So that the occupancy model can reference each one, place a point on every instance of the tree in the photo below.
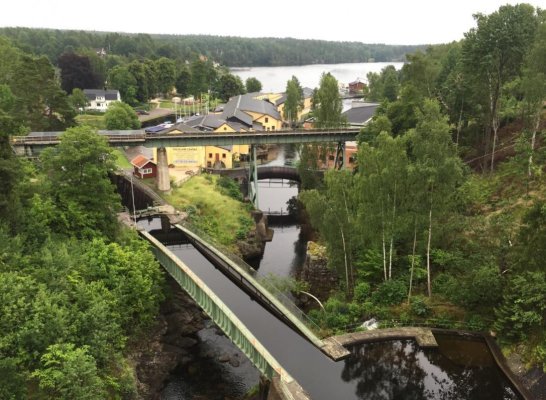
(331, 212)
(253, 85)
(78, 181)
(76, 72)
(183, 82)
(68, 372)
(122, 79)
(228, 86)
(493, 54)
(10, 168)
(328, 105)
(78, 99)
(166, 75)
(435, 172)
(294, 100)
(39, 101)
(382, 195)
(534, 89)
(120, 116)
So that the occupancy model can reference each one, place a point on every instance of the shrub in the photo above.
(362, 291)
(419, 306)
(389, 293)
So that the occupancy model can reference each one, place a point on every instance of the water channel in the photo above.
(459, 369)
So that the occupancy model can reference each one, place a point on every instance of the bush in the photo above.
(419, 306)
(362, 291)
(229, 187)
(390, 293)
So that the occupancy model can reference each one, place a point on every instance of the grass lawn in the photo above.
(121, 159)
(96, 121)
(218, 215)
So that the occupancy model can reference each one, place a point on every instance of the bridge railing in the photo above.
(279, 295)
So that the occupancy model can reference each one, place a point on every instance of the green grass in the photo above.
(96, 121)
(121, 159)
(220, 216)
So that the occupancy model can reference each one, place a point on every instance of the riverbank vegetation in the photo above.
(75, 287)
(214, 206)
(442, 222)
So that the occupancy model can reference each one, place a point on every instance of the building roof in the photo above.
(360, 115)
(140, 161)
(236, 106)
(92, 94)
(307, 93)
(181, 126)
(206, 122)
(357, 81)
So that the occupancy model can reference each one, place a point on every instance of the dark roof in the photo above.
(154, 129)
(181, 126)
(92, 94)
(307, 92)
(281, 99)
(237, 104)
(360, 115)
(210, 121)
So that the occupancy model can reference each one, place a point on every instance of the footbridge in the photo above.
(263, 172)
(265, 325)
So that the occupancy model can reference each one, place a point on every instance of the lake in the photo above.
(274, 79)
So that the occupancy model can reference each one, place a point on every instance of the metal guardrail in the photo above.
(218, 311)
(296, 316)
(115, 138)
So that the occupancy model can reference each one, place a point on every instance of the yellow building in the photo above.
(280, 100)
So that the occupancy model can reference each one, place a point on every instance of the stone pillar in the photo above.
(163, 181)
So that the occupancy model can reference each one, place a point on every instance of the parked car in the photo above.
(142, 112)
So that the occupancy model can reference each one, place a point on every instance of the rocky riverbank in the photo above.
(169, 343)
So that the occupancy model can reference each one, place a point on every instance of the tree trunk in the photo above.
(345, 256)
(495, 134)
(533, 140)
(429, 285)
(412, 259)
(392, 231)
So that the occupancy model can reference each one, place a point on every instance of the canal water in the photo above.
(460, 369)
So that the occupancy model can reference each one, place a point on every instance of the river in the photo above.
(274, 79)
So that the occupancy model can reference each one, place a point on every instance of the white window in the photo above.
(145, 171)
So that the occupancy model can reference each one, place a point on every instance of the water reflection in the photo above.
(459, 369)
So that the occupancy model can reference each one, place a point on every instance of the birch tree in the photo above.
(493, 54)
(436, 169)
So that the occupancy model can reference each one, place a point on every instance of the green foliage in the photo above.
(121, 116)
(229, 187)
(532, 239)
(294, 100)
(253, 85)
(362, 292)
(419, 306)
(68, 372)
(327, 103)
(86, 202)
(229, 85)
(390, 292)
(522, 311)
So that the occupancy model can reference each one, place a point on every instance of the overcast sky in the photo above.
(376, 21)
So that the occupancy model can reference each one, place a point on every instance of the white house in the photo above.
(100, 99)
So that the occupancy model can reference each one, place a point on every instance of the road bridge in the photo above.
(32, 144)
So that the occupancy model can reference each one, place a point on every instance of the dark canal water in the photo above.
(460, 369)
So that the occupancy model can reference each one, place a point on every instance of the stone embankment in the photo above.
(316, 273)
(168, 344)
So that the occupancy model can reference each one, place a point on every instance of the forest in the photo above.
(228, 51)
(443, 222)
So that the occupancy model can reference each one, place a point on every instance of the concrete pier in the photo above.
(163, 181)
